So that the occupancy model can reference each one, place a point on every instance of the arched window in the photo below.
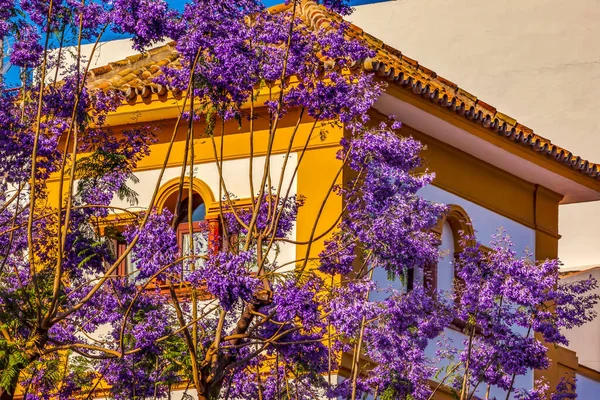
(199, 229)
(410, 278)
(440, 276)
(200, 233)
(445, 273)
(194, 233)
(451, 230)
(198, 209)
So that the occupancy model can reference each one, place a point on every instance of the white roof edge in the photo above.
(446, 132)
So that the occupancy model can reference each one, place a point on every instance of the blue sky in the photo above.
(12, 76)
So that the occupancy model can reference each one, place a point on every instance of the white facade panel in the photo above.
(485, 222)
(236, 177)
(587, 388)
(537, 61)
(445, 266)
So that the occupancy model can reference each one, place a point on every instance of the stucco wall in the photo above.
(537, 61)
(485, 223)
(235, 175)
(587, 388)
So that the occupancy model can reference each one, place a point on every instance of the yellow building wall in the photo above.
(456, 172)
(314, 146)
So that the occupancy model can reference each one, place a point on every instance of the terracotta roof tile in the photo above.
(145, 75)
(449, 84)
(135, 75)
(373, 42)
(485, 107)
(506, 119)
(103, 84)
(125, 71)
(429, 73)
(356, 29)
(466, 97)
(100, 70)
(392, 51)
(153, 68)
(122, 63)
(409, 61)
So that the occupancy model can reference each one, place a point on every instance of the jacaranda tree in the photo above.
(239, 324)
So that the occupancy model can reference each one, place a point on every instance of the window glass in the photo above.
(445, 267)
(199, 229)
(132, 267)
(200, 247)
(198, 214)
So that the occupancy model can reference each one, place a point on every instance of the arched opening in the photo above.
(198, 209)
(445, 273)
(453, 231)
(193, 236)
(202, 197)
(181, 210)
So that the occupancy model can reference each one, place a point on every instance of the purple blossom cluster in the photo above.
(386, 216)
(241, 323)
(505, 300)
(156, 247)
(398, 339)
(263, 54)
(228, 277)
(6, 10)
(149, 21)
(29, 22)
(270, 206)
(27, 52)
(53, 260)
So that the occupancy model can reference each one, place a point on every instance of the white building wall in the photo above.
(445, 266)
(235, 175)
(537, 61)
(587, 388)
(485, 223)
(585, 339)
(104, 53)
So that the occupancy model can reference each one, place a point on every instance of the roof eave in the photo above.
(489, 146)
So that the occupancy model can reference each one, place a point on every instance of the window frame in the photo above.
(459, 221)
(187, 228)
(211, 225)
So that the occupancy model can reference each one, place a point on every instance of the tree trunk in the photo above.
(4, 395)
(211, 393)
(9, 393)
